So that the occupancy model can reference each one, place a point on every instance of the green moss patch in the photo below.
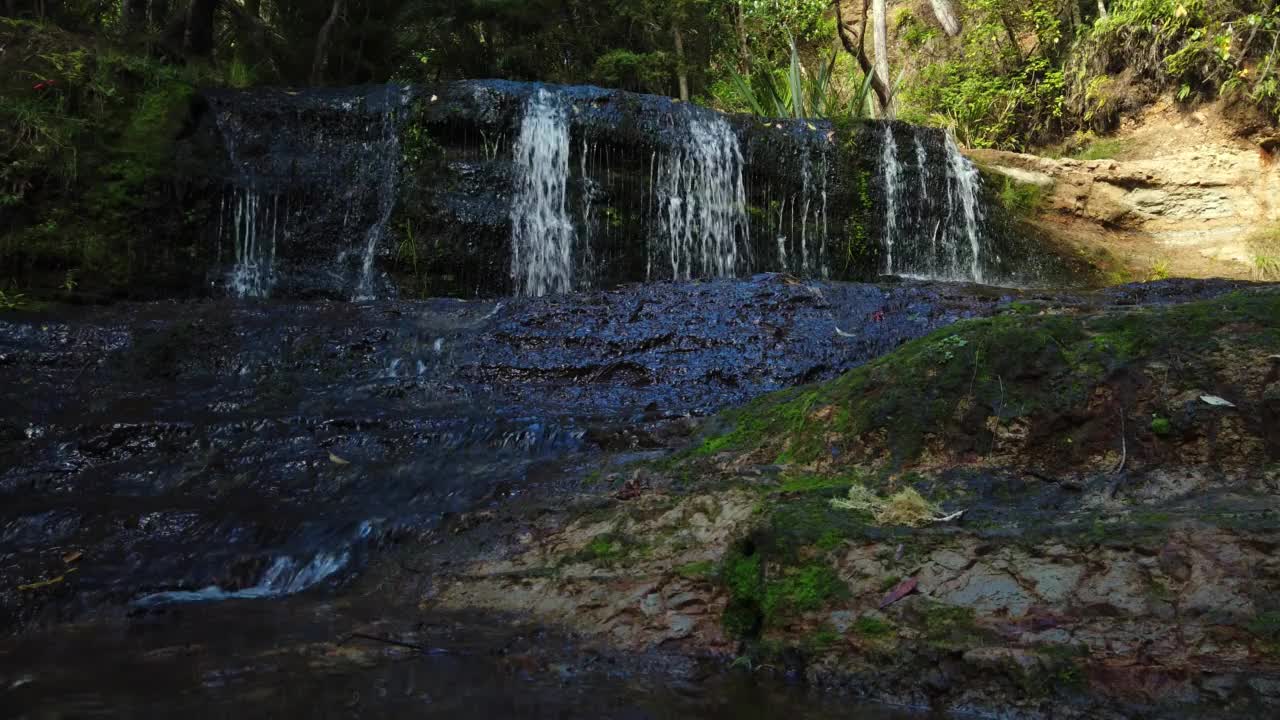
(945, 388)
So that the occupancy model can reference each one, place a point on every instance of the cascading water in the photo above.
(925, 222)
(600, 188)
(943, 236)
(542, 233)
(702, 201)
(333, 181)
(386, 166)
(893, 187)
(254, 228)
(964, 187)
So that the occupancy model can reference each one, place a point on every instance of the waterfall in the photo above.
(254, 227)
(893, 186)
(925, 221)
(385, 159)
(342, 161)
(964, 188)
(542, 235)
(944, 235)
(286, 575)
(589, 197)
(702, 211)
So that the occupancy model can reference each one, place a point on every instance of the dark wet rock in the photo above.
(1141, 590)
(185, 446)
(314, 174)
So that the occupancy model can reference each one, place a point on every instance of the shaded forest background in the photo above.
(92, 92)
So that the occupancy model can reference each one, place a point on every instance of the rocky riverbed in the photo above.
(559, 462)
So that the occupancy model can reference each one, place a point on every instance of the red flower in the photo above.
(877, 316)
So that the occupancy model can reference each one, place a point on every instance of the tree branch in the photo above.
(848, 38)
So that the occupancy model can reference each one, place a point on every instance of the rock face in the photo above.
(238, 449)
(1201, 203)
(1116, 561)
(367, 191)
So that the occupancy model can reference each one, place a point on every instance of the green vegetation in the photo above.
(90, 172)
(1025, 74)
(1265, 246)
(697, 570)
(872, 627)
(610, 550)
(763, 594)
(799, 589)
(989, 88)
(805, 483)
(1099, 148)
(952, 387)
(1022, 200)
(1161, 426)
(12, 301)
(1159, 270)
(799, 93)
(949, 626)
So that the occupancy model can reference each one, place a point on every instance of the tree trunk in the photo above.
(158, 12)
(945, 11)
(855, 45)
(322, 43)
(199, 36)
(133, 15)
(880, 39)
(1011, 35)
(744, 49)
(1102, 9)
(682, 71)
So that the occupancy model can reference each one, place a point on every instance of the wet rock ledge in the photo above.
(1116, 556)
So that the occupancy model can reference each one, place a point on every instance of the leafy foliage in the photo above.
(1024, 73)
(991, 89)
(796, 92)
(92, 126)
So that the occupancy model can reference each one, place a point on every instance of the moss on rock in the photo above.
(1052, 386)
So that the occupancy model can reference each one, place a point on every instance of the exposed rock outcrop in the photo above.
(1190, 210)
(1115, 555)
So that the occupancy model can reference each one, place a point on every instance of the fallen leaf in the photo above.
(337, 460)
(901, 590)
(72, 556)
(1216, 401)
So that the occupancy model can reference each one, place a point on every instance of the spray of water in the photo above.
(964, 189)
(893, 188)
(702, 213)
(387, 168)
(542, 236)
(254, 228)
